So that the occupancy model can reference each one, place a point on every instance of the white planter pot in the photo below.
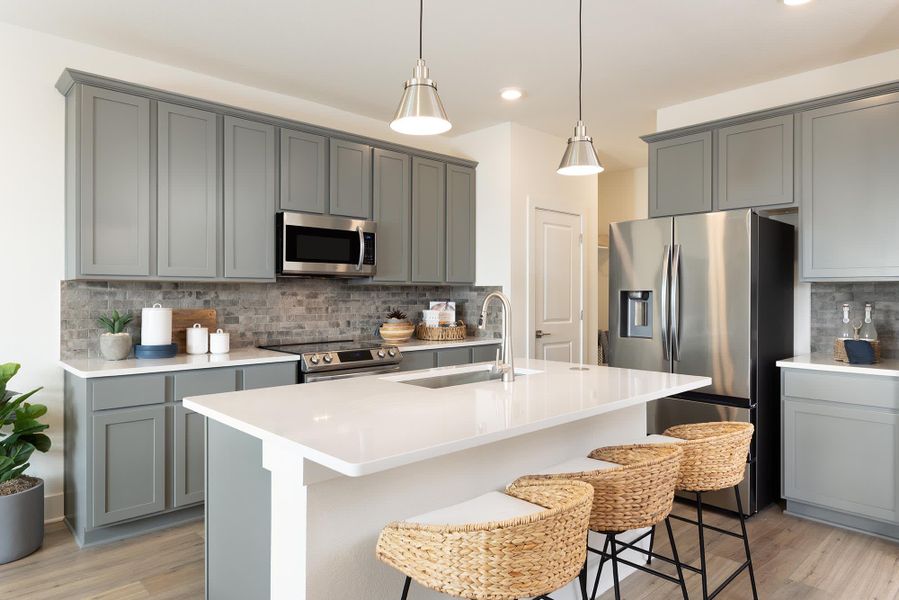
(115, 346)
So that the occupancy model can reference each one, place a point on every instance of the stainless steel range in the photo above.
(342, 359)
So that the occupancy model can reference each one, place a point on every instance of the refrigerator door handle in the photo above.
(663, 305)
(675, 303)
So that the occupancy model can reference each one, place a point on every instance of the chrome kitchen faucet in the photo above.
(507, 366)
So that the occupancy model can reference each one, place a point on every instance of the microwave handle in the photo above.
(361, 248)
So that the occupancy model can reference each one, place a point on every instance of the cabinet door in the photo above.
(842, 457)
(460, 224)
(304, 171)
(393, 213)
(453, 356)
(850, 203)
(755, 164)
(114, 201)
(680, 175)
(128, 458)
(420, 359)
(249, 199)
(350, 179)
(189, 457)
(187, 192)
(428, 221)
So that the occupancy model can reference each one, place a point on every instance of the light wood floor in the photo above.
(794, 559)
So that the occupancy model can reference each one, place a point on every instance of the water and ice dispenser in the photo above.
(636, 313)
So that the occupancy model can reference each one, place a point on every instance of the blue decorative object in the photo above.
(859, 352)
(155, 351)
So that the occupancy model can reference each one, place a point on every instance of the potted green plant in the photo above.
(21, 496)
(397, 328)
(115, 344)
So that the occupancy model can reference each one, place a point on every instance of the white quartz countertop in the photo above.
(825, 362)
(414, 344)
(97, 367)
(369, 424)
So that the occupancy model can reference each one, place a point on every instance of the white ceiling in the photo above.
(639, 55)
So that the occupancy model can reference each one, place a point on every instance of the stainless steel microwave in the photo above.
(325, 245)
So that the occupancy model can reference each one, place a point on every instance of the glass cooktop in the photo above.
(327, 346)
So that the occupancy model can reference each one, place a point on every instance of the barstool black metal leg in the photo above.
(615, 568)
(702, 565)
(582, 579)
(406, 588)
(680, 572)
(755, 594)
(652, 541)
(602, 562)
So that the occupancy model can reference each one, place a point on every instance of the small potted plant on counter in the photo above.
(115, 344)
(397, 328)
(21, 496)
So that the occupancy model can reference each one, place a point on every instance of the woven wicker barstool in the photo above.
(531, 541)
(633, 488)
(714, 458)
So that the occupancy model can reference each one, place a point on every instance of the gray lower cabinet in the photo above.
(304, 171)
(460, 224)
(428, 220)
(429, 359)
(249, 199)
(841, 448)
(350, 173)
(850, 205)
(188, 192)
(392, 206)
(680, 175)
(108, 184)
(263, 376)
(755, 164)
(188, 468)
(453, 356)
(484, 353)
(128, 464)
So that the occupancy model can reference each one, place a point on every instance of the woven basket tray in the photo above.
(440, 334)
(839, 351)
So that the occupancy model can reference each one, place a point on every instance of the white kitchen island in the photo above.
(347, 457)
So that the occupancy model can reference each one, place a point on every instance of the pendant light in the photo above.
(580, 155)
(420, 111)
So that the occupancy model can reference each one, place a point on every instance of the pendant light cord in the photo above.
(580, 66)
(421, 13)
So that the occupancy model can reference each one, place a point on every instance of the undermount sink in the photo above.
(452, 379)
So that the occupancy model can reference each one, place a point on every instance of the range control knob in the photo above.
(392, 352)
(327, 358)
(381, 353)
(314, 359)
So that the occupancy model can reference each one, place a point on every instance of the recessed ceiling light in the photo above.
(511, 93)
(795, 2)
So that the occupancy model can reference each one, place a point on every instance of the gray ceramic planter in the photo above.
(115, 346)
(21, 523)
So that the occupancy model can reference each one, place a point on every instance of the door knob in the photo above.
(539, 333)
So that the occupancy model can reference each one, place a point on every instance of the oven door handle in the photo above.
(361, 247)
(334, 375)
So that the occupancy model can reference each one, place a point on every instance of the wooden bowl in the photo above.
(396, 333)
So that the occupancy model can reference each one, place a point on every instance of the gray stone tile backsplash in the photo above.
(825, 316)
(288, 311)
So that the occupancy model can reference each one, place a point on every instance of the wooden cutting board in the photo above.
(182, 318)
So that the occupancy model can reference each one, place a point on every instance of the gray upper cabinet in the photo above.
(393, 213)
(109, 218)
(428, 221)
(850, 190)
(128, 464)
(304, 171)
(350, 193)
(460, 224)
(680, 175)
(249, 193)
(755, 164)
(187, 192)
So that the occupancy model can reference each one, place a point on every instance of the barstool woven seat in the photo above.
(524, 556)
(714, 454)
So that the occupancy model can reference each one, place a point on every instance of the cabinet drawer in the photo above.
(866, 390)
(421, 359)
(484, 353)
(453, 356)
(123, 392)
(263, 376)
(204, 381)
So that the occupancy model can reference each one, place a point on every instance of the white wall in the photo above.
(32, 130)
(843, 77)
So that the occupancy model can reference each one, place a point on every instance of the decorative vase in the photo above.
(21, 523)
(396, 331)
(115, 346)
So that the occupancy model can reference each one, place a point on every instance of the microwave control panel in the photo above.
(368, 257)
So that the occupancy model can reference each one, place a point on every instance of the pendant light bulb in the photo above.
(580, 156)
(420, 111)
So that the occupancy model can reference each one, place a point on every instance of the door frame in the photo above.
(533, 206)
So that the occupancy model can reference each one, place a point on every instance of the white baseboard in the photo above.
(54, 508)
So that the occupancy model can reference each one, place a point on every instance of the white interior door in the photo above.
(558, 279)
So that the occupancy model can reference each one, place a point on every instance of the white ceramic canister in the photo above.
(220, 342)
(197, 339)
(156, 326)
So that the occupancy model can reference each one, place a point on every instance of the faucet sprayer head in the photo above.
(482, 320)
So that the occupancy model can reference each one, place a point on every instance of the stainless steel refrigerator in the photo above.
(709, 294)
